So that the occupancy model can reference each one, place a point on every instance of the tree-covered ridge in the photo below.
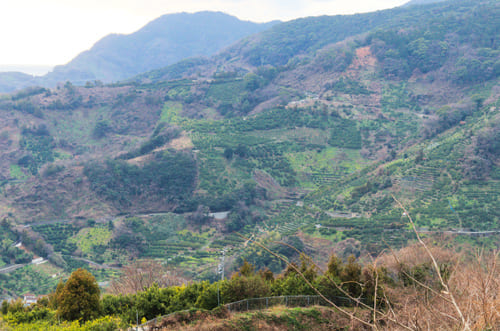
(277, 45)
(167, 177)
(291, 43)
(473, 47)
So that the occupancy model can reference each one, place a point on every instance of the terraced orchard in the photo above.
(302, 135)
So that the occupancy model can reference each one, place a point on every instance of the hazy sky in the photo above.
(52, 32)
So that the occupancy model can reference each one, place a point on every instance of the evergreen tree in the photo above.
(79, 299)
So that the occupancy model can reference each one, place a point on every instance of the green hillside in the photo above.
(304, 133)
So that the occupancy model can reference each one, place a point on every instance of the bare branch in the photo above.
(436, 267)
(351, 315)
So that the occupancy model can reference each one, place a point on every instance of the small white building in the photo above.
(38, 260)
(219, 216)
(29, 299)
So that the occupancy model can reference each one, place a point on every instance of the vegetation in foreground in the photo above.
(276, 318)
(304, 146)
(423, 286)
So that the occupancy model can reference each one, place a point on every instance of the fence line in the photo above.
(286, 300)
(263, 303)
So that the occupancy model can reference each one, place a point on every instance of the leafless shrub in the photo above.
(143, 274)
(422, 303)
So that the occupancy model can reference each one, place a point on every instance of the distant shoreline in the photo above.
(35, 70)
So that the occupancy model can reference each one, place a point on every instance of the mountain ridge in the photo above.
(163, 41)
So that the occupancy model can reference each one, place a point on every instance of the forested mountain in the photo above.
(304, 133)
(164, 41)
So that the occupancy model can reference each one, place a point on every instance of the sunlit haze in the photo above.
(51, 32)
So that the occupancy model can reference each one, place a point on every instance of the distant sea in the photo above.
(35, 70)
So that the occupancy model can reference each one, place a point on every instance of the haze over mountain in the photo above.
(162, 42)
(35, 70)
(421, 2)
